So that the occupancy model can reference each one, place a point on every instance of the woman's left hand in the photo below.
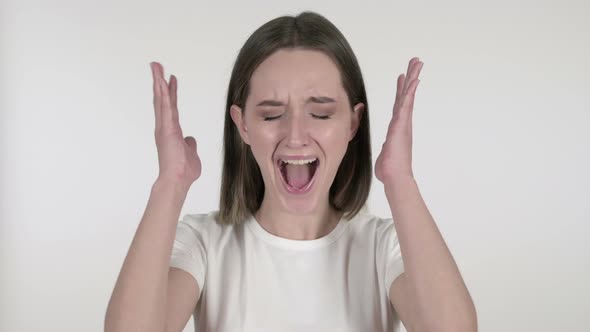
(395, 159)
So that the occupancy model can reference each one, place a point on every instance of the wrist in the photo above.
(169, 186)
(399, 181)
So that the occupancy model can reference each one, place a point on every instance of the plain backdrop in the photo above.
(501, 135)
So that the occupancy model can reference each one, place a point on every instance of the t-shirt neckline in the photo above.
(285, 243)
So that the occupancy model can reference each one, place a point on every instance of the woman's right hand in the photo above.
(177, 156)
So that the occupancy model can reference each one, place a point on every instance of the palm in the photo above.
(395, 158)
(177, 157)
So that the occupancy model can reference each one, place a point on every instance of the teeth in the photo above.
(299, 162)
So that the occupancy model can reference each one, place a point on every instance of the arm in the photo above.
(149, 295)
(430, 295)
(147, 287)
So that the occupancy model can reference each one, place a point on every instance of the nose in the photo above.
(297, 134)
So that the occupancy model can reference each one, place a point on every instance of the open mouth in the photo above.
(298, 176)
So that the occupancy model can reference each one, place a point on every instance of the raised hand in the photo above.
(395, 159)
(177, 156)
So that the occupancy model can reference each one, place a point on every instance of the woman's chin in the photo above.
(301, 204)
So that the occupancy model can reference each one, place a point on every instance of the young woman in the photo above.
(291, 247)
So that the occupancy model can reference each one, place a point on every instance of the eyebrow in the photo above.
(319, 100)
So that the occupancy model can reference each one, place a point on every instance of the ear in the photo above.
(355, 120)
(237, 116)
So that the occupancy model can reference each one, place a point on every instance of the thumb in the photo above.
(191, 142)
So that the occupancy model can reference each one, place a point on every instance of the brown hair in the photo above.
(242, 186)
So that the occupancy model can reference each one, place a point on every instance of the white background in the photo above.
(501, 135)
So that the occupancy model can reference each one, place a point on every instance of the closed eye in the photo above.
(270, 118)
(323, 117)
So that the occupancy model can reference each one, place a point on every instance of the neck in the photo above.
(308, 226)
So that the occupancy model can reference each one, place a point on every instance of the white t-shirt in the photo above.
(253, 280)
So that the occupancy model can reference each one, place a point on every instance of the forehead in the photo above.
(296, 73)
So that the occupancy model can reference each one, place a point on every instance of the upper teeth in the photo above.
(299, 162)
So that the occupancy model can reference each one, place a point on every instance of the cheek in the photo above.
(263, 135)
(262, 142)
(333, 136)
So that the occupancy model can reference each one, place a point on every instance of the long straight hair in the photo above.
(242, 185)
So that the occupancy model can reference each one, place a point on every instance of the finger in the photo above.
(412, 94)
(408, 98)
(169, 112)
(408, 72)
(407, 103)
(415, 73)
(167, 118)
(398, 92)
(191, 142)
(173, 98)
(416, 70)
(157, 95)
(173, 90)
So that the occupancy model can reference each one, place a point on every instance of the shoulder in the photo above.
(367, 221)
(199, 225)
(380, 230)
(205, 226)
(198, 219)
(201, 222)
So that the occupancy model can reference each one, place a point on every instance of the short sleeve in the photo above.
(189, 252)
(389, 253)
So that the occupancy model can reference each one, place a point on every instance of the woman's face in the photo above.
(297, 109)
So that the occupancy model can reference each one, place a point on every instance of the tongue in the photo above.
(298, 175)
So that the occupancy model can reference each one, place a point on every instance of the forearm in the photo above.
(441, 297)
(139, 296)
